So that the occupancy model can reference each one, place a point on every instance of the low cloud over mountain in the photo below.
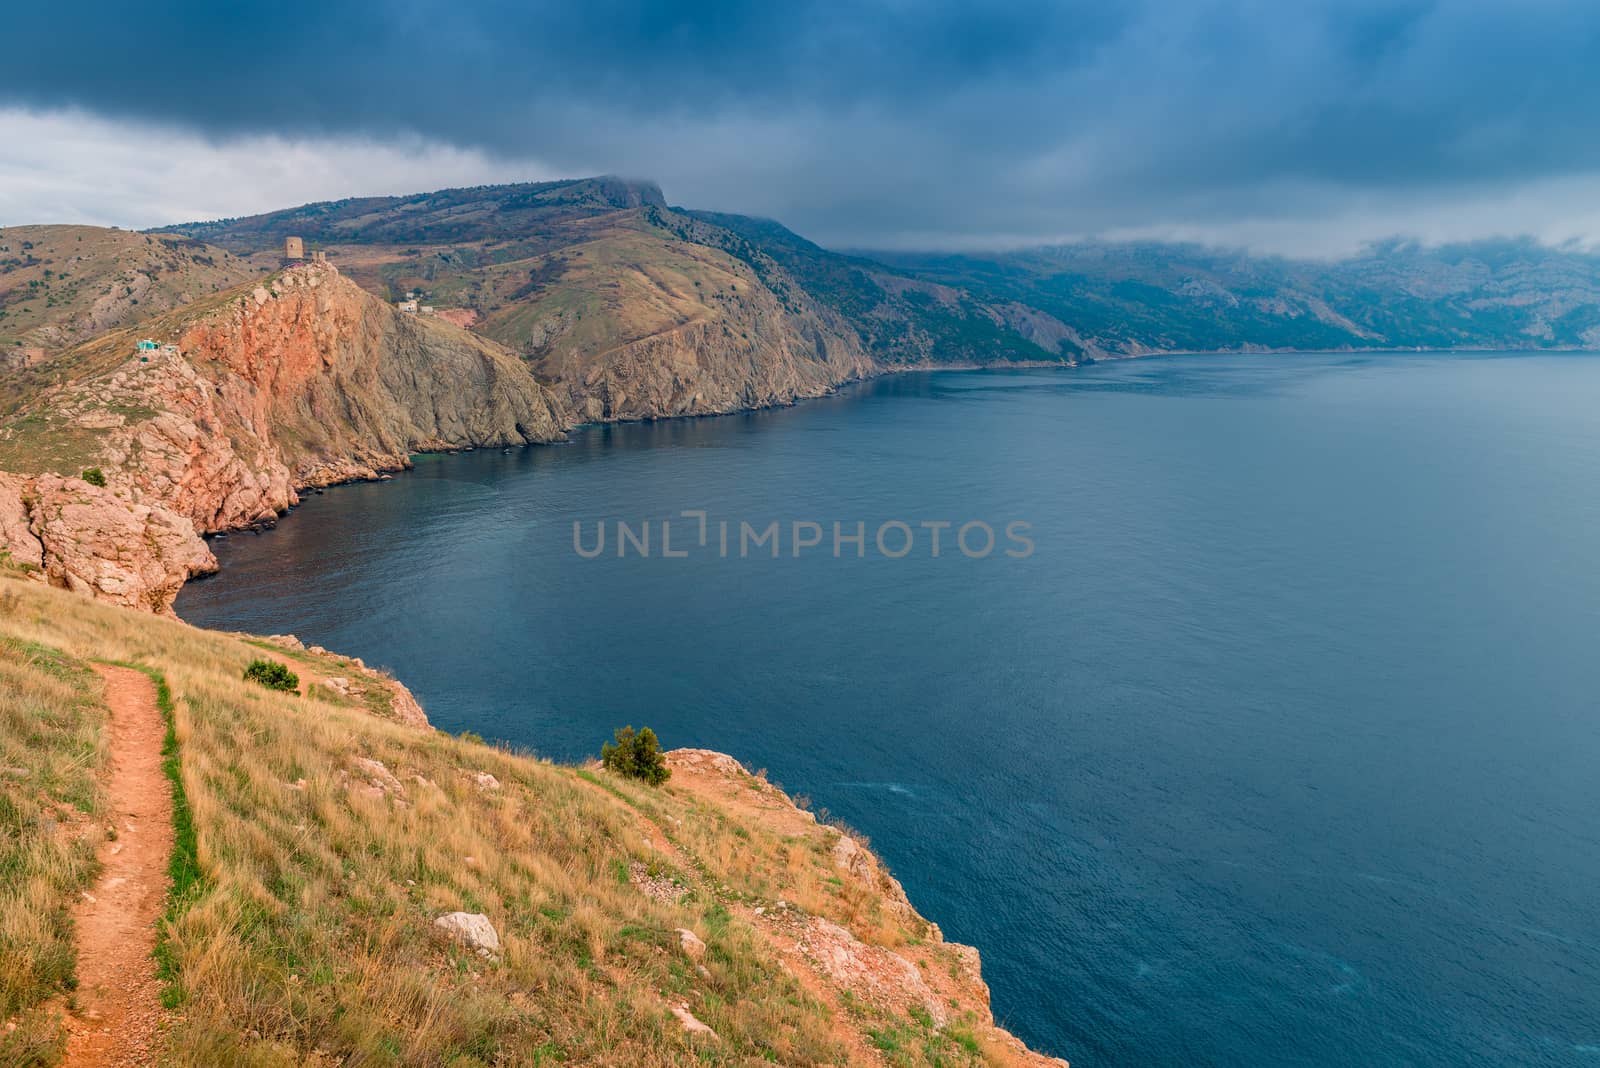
(1305, 128)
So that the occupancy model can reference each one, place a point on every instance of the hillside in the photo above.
(320, 839)
(902, 319)
(498, 215)
(634, 309)
(257, 393)
(1129, 299)
(60, 285)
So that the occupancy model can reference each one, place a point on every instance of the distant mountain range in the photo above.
(197, 374)
(566, 272)
(1134, 298)
(1056, 303)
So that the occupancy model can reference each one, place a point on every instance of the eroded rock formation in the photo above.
(88, 539)
(305, 380)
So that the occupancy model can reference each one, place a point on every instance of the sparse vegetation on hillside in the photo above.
(51, 746)
(502, 252)
(1132, 297)
(328, 841)
(61, 285)
(588, 265)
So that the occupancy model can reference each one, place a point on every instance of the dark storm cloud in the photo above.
(887, 121)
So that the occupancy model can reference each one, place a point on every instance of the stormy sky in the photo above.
(1302, 126)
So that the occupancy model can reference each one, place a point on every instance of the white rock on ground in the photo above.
(471, 929)
(691, 943)
(690, 1024)
(379, 776)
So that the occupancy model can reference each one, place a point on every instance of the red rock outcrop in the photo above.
(91, 541)
(304, 380)
(18, 542)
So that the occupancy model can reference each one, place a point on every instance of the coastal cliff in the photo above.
(359, 888)
(247, 398)
(896, 963)
(214, 417)
(636, 926)
(752, 353)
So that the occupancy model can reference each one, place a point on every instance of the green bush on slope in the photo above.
(636, 756)
(272, 675)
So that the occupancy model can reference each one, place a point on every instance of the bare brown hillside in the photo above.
(60, 285)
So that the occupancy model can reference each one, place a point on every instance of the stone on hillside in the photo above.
(404, 705)
(471, 929)
(691, 943)
(875, 974)
(690, 1023)
(485, 781)
(16, 537)
(848, 855)
(706, 760)
(378, 775)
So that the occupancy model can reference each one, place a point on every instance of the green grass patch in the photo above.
(183, 868)
(51, 750)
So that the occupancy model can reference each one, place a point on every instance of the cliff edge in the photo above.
(358, 888)
(215, 416)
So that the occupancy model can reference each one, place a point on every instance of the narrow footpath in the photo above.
(118, 1004)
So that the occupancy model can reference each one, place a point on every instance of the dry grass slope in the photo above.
(60, 285)
(51, 748)
(309, 937)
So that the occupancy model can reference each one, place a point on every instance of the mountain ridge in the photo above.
(1061, 303)
(593, 300)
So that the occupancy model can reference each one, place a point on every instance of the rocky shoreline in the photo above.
(306, 382)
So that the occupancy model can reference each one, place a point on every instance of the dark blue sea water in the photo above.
(1282, 748)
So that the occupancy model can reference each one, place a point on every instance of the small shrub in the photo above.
(636, 756)
(272, 675)
(94, 476)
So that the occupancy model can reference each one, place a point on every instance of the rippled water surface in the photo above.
(1282, 748)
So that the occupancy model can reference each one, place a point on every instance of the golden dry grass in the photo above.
(62, 284)
(51, 720)
(309, 936)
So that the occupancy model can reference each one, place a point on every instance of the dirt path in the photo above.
(118, 998)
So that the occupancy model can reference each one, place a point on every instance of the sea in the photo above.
(1245, 711)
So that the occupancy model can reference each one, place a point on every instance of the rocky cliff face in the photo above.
(302, 381)
(315, 381)
(306, 380)
(841, 957)
(87, 539)
(755, 355)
